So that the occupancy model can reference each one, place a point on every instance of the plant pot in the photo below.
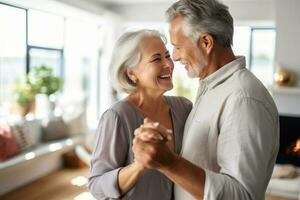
(23, 110)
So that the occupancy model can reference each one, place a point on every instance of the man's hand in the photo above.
(150, 145)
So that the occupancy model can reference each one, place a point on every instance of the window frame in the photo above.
(28, 47)
(61, 52)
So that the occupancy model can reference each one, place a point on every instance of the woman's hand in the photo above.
(150, 145)
(152, 131)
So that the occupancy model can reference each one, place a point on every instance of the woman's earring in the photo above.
(131, 76)
(134, 80)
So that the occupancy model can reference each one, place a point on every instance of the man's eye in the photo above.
(168, 56)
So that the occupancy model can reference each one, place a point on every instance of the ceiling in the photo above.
(133, 1)
(153, 10)
(150, 1)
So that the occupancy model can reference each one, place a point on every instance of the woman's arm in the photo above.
(128, 176)
(109, 156)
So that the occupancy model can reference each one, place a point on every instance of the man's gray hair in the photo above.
(126, 55)
(202, 16)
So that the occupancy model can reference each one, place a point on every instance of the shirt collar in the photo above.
(223, 73)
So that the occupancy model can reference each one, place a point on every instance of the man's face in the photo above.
(185, 50)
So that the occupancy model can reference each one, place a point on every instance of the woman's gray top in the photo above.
(112, 151)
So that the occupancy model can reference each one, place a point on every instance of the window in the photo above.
(47, 57)
(258, 45)
(12, 52)
(262, 53)
(45, 30)
(72, 48)
(82, 65)
(241, 42)
(45, 40)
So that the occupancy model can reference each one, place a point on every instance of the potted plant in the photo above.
(24, 93)
(40, 80)
(46, 84)
(44, 81)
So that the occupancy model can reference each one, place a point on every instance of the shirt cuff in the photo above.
(213, 185)
(108, 184)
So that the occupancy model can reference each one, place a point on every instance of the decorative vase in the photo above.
(283, 77)
(42, 106)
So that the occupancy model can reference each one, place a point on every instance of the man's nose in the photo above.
(175, 55)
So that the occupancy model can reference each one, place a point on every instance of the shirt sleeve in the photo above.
(247, 148)
(109, 156)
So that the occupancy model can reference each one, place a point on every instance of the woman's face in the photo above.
(154, 72)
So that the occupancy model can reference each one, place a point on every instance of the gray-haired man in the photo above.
(231, 136)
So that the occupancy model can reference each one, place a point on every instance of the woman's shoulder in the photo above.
(120, 108)
(119, 112)
(179, 102)
(122, 114)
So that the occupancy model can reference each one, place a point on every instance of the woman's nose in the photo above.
(169, 63)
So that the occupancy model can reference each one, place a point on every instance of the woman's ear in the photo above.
(206, 42)
(131, 75)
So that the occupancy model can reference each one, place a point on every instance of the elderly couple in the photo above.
(156, 147)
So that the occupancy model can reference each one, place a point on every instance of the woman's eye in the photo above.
(156, 60)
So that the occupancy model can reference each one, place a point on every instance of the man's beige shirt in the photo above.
(232, 133)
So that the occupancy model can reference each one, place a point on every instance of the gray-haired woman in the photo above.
(142, 67)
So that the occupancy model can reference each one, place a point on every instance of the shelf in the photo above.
(284, 90)
(40, 150)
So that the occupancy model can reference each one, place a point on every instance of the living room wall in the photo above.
(287, 39)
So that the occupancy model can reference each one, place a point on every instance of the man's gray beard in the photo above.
(194, 73)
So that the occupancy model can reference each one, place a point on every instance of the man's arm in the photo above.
(189, 176)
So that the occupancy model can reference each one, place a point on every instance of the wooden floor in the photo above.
(65, 184)
(56, 186)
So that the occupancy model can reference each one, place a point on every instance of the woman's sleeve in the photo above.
(109, 155)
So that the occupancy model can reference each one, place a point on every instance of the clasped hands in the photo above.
(150, 146)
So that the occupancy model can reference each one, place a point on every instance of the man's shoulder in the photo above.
(245, 86)
(243, 83)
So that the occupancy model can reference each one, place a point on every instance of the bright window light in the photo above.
(29, 156)
(12, 53)
(84, 196)
(45, 29)
(55, 147)
(79, 181)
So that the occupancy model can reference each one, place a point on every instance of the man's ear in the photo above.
(131, 75)
(206, 42)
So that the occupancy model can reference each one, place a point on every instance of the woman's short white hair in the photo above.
(127, 54)
(201, 16)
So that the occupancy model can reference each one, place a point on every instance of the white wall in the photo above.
(288, 36)
(287, 53)
(254, 10)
